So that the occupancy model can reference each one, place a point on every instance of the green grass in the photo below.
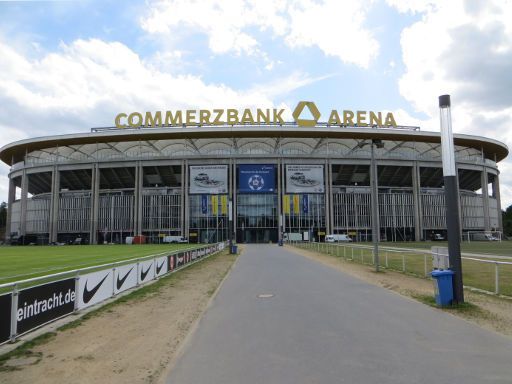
(475, 274)
(25, 262)
(500, 248)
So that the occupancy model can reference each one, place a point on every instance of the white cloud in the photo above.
(461, 48)
(335, 27)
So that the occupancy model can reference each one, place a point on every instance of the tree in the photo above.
(507, 221)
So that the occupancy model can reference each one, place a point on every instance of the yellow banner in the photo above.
(224, 204)
(215, 204)
(286, 204)
(296, 204)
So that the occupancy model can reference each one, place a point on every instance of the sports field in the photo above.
(24, 262)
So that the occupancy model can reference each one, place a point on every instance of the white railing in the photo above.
(480, 271)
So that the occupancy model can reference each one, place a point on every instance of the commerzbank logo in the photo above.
(313, 110)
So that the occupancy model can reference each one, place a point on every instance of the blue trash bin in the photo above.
(443, 287)
(234, 249)
(280, 242)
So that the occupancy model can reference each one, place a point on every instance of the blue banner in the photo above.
(204, 204)
(256, 178)
(305, 204)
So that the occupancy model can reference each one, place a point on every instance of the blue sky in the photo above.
(67, 66)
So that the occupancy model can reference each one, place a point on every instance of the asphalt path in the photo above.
(324, 326)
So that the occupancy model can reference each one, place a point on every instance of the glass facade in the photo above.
(208, 218)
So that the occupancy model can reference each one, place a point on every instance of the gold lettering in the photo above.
(361, 118)
(190, 117)
(334, 118)
(204, 116)
(247, 117)
(375, 119)
(132, 116)
(347, 118)
(390, 120)
(263, 117)
(232, 116)
(171, 120)
(155, 121)
(277, 116)
(118, 120)
(217, 120)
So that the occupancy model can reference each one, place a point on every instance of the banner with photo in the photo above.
(256, 178)
(305, 178)
(208, 179)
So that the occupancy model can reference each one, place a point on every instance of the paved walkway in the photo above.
(323, 326)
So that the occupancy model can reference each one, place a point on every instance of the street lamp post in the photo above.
(374, 199)
(451, 197)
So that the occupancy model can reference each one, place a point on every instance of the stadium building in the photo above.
(273, 179)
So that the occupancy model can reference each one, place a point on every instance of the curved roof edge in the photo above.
(14, 152)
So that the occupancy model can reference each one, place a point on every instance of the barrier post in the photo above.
(77, 279)
(403, 262)
(387, 265)
(425, 263)
(497, 278)
(14, 311)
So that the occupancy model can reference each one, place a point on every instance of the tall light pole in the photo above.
(451, 197)
(374, 199)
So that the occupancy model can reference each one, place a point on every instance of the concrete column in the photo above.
(10, 200)
(184, 231)
(331, 206)
(279, 202)
(485, 195)
(54, 206)
(496, 192)
(416, 191)
(186, 203)
(95, 203)
(283, 192)
(234, 200)
(139, 180)
(24, 193)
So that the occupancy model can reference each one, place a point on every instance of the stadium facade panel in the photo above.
(280, 180)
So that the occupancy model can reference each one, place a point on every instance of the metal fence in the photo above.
(29, 304)
(482, 272)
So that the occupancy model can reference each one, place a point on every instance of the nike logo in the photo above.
(88, 294)
(159, 268)
(144, 274)
(120, 282)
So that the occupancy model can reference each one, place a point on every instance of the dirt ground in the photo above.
(128, 343)
(493, 313)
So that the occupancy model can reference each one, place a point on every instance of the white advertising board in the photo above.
(161, 266)
(146, 271)
(208, 179)
(125, 277)
(305, 178)
(94, 287)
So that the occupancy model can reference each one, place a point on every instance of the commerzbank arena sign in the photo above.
(199, 117)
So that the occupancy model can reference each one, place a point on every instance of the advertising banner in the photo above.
(94, 287)
(125, 277)
(305, 178)
(209, 179)
(305, 204)
(146, 271)
(44, 303)
(172, 262)
(161, 266)
(180, 259)
(204, 204)
(256, 178)
(5, 317)
(296, 204)
(215, 205)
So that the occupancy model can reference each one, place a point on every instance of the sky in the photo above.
(68, 66)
